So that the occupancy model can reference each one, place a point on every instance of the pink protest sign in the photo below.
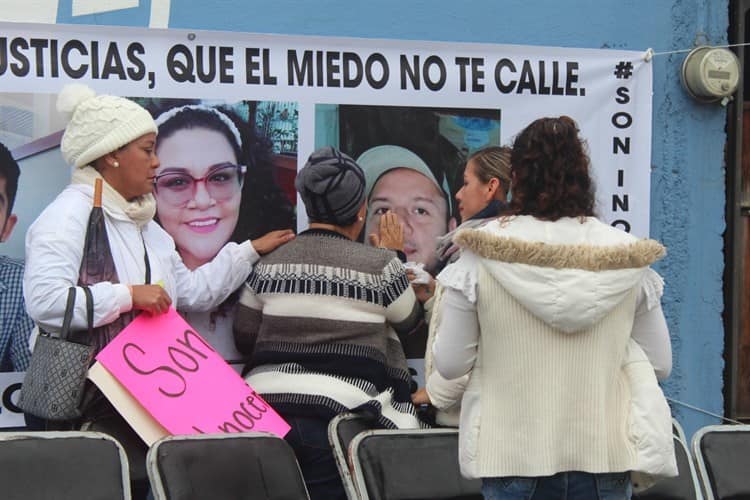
(182, 382)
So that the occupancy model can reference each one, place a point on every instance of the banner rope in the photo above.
(701, 410)
(649, 54)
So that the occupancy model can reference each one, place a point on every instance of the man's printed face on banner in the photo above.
(7, 221)
(420, 206)
(198, 192)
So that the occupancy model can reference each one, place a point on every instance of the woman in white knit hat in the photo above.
(548, 309)
(113, 139)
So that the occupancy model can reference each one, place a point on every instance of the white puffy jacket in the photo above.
(554, 384)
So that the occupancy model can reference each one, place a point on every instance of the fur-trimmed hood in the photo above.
(569, 273)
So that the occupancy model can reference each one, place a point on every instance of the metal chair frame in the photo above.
(152, 465)
(700, 461)
(58, 435)
(341, 453)
(358, 475)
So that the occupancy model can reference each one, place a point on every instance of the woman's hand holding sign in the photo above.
(151, 298)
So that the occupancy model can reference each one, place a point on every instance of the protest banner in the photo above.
(177, 377)
(10, 414)
(441, 100)
(608, 92)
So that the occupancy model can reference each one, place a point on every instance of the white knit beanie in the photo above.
(99, 124)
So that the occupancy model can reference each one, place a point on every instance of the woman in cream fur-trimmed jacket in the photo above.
(556, 317)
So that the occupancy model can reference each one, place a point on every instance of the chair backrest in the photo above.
(62, 465)
(721, 455)
(684, 486)
(252, 465)
(341, 430)
(678, 431)
(400, 464)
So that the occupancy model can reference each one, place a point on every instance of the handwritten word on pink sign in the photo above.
(182, 382)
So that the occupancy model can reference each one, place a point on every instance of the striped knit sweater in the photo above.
(320, 319)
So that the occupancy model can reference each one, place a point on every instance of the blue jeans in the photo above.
(309, 440)
(561, 486)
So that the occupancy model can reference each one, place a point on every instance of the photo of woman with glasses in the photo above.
(214, 185)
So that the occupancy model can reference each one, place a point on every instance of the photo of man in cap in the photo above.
(399, 181)
(413, 159)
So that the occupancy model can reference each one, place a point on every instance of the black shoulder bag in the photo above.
(53, 385)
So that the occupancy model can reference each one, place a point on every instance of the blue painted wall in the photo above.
(135, 16)
(688, 193)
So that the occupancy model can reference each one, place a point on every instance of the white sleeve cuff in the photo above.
(123, 297)
(445, 393)
(248, 249)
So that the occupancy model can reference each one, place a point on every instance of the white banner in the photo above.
(608, 92)
(10, 414)
(260, 104)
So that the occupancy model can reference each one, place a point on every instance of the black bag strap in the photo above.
(148, 264)
(89, 309)
(70, 307)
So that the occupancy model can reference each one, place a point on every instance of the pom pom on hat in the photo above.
(332, 186)
(99, 124)
(72, 95)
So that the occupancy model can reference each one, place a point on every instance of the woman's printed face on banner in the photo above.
(7, 220)
(198, 192)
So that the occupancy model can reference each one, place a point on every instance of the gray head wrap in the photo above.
(332, 187)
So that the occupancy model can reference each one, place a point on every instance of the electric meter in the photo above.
(710, 73)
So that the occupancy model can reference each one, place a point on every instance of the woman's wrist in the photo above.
(123, 296)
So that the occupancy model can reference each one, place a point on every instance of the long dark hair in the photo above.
(550, 170)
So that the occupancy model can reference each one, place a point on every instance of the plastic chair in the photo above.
(62, 465)
(341, 430)
(678, 431)
(684, 486)
(252, 465)
(721, 454)
(401, 464)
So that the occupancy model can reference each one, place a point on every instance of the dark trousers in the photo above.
(562, 486)
(309, 440)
